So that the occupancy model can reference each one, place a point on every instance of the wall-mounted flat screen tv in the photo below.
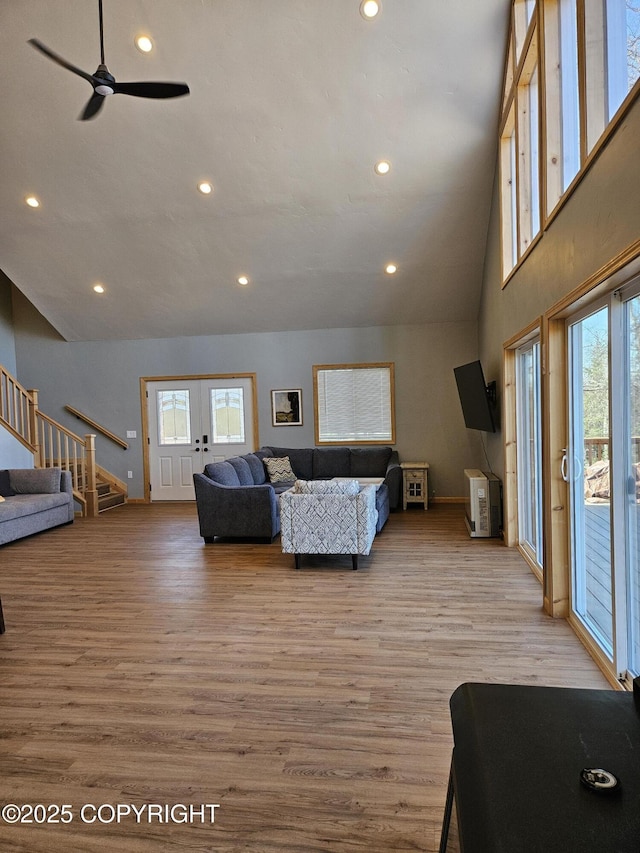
(475, 399)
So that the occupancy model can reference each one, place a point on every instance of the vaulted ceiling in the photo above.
(292, 104)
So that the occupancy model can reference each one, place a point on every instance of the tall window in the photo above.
(354, 403)
(528, 145)
(529, 451)
(509, 207)
(590, 53)
(569, 96)
(623, 50)
(520, 142)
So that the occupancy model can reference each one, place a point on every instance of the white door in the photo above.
(193, 422)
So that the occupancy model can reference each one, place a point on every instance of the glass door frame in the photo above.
(619, 461)
(145, 380)
(528, 430)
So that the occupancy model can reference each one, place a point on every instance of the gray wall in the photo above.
(7, 338)
(12, 453)
(102, 380)
(599, 221)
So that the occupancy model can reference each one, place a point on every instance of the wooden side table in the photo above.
(414, 483)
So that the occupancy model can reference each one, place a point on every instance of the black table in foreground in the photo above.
(515, 783)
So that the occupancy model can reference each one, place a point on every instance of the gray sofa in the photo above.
(35, 499)
(236, 498)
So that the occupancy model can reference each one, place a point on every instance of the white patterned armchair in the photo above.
(328, 517)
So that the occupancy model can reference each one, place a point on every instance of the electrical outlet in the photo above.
(130, 475)
(131, 433)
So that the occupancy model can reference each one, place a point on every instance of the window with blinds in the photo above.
(354, 403)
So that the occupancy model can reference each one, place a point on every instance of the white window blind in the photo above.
(354, 403)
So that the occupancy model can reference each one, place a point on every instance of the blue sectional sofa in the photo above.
(237, 497)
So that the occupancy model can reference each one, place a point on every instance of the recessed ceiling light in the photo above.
(144, 44)
(369, 9)
(32, 201)
(99, 288)
(205, 187)
(382, 167)
(243, 280)
(390, 269)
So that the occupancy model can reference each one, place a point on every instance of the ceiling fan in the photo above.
(104, 83)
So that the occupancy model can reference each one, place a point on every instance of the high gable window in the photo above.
(354, 403)
(580, 59)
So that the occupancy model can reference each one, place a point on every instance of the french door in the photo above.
(602, 468)
(192, 422)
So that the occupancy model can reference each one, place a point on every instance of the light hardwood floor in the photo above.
(141, 666)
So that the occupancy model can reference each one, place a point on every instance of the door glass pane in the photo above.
(529, 450)
(632, 323)
(227, 415)
(589, 476)
(174, 423)
(623, 50)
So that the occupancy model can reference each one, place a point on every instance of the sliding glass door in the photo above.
(587, 468)
(632, 465)
(529, 455)
(602, 468)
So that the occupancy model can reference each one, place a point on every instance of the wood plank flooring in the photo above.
(141, 666)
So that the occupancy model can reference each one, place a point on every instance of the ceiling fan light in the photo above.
(144, 44)
(369, 9)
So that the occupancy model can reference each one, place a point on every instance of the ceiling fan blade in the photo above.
(60, 61)
(93, 107)
(152, 90)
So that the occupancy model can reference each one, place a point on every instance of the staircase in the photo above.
(110, 494)
(54, 446)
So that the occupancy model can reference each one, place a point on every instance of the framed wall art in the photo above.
(286, 407)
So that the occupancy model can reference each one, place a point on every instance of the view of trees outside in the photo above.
(595, 377)
(633, 41)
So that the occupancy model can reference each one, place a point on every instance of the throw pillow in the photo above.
(5, 485)
(279, 469)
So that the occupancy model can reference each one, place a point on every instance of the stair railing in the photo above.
(57, 447)
(52, 444)
(14, 409)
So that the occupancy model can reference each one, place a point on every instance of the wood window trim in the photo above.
(356, 366)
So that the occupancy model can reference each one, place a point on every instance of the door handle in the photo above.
(564, 466)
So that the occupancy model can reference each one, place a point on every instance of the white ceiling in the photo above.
(291, 105)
